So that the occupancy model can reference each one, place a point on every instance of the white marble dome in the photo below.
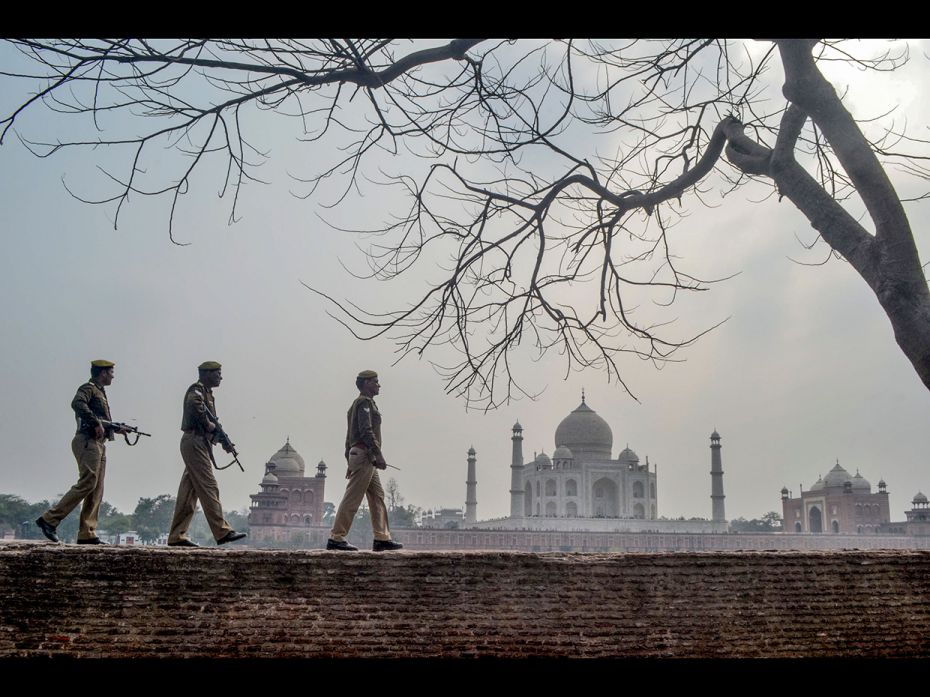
(584, 431)
(628, 457)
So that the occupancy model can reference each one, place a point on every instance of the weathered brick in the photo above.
(63, 600)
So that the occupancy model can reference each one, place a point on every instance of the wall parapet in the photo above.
(65, 600)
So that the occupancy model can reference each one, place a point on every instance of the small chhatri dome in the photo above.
(269, 478)
(715, 435)
(818, 485)
(628, 457)
(562, 453)
(471, 450)
(784, 490)
(542, 460)
(584, 430)
(860, 483)
(288, 462)
(920, 498)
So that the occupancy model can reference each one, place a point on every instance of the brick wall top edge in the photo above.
(20, 547)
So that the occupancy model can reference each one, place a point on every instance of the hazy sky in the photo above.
(804, 372)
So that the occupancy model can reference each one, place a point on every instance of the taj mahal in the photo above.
(582, 487)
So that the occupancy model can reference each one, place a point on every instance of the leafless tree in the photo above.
(544, 238)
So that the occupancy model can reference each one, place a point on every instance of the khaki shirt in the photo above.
(197, 400)
(364, 426)
(90, 406)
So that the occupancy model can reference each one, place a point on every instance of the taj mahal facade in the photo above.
(582, 487)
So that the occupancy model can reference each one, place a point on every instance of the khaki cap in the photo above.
(101, 363)
(367, 375)
(209, 365)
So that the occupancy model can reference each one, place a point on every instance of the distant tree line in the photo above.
(150, 520)
(770, 522)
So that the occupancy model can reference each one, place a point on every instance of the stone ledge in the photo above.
(122, 602)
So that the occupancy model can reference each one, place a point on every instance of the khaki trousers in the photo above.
(363, 481)
(91, 456)
(197, 483)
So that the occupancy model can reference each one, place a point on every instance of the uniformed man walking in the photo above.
(89, 447)
(198, 483)
(364, 457)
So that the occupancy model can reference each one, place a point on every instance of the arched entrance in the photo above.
(605, 498)
(815, 519)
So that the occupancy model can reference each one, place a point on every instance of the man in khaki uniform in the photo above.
(364, 457)
(89, 447)
(198, 483)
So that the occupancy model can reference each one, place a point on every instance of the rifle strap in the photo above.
(213, 459)
(206, 439)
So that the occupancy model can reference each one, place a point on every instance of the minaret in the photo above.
(471, 500)
(516, 473)
(716, 479)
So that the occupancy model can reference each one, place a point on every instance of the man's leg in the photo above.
(90, 511)
(184, 507)
(359, 478)
(87, 452)
(379, 519)
(200, 474)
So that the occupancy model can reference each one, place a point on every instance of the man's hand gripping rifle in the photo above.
(221, 437)
(112, 427)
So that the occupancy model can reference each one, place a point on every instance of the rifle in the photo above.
(223, 439)
(111, 427)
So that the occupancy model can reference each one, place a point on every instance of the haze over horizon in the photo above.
(804, 371)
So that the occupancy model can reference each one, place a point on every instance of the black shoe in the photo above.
(231, 536)
(184, 542)
(385, 546)
(47, 529)
(341, 545)
(91, 541)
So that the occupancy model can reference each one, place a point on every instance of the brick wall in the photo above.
(150, 602)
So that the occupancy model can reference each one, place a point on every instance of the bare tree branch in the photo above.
(554, 174)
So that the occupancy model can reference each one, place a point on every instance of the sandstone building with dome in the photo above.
(289, 503)
(841, 503)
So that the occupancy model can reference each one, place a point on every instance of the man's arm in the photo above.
(367, 434)
(81, 406)
(198, 409)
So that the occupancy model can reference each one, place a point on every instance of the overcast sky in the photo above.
(804, 372)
